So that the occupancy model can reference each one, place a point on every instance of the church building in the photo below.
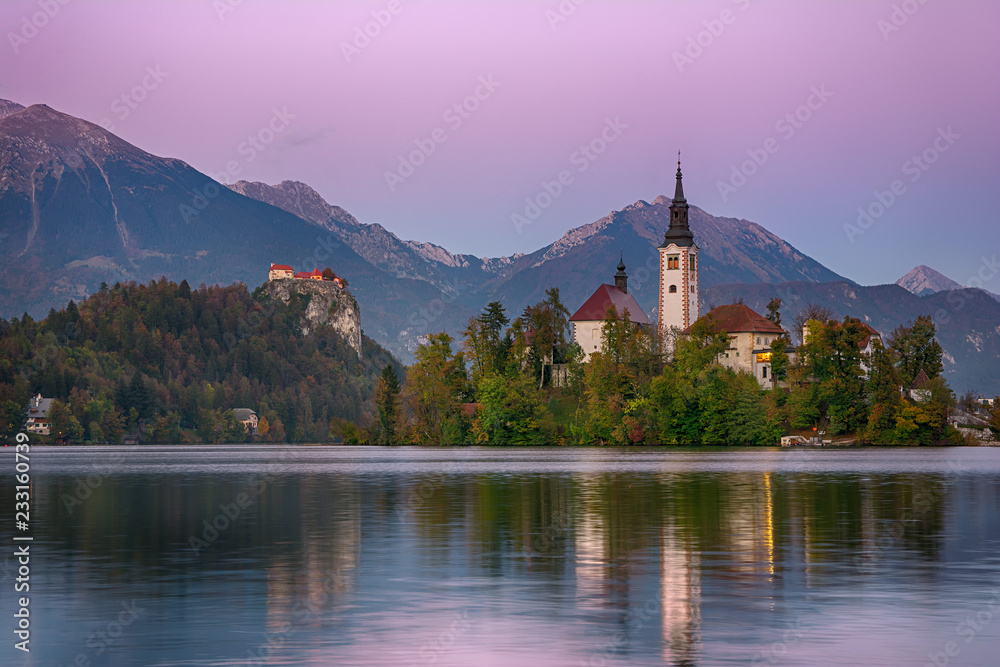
(588, 321)
(678, 302)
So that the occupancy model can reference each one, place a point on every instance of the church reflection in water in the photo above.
(641, 554)
(680, 597)
(644, 567)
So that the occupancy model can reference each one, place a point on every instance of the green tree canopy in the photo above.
(917, 349)
(435, 388)
(386, 401)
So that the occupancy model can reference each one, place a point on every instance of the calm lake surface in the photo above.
(403, 556)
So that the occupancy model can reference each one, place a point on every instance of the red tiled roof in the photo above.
(867, 339)
(596, 307)
(302, 274)
(739, 318)
(920, 381)
(280, 267)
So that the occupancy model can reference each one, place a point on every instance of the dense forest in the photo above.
(496, 386)
(169, 363)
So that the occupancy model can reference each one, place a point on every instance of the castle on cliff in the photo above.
(285, 272)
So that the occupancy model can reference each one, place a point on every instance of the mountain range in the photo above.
(80, 206)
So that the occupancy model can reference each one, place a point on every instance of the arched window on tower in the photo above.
(673, 289)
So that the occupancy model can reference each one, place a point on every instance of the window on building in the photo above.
(767, 341)
(673, 262)
(595, 333)
(694, 262)
(763, 372)
(692, 288)
(673, 289)
(758, 340)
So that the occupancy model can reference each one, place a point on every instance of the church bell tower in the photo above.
(678, 305)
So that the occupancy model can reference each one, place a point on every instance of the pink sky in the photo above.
(556, 87)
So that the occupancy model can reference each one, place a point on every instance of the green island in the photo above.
(164, 363)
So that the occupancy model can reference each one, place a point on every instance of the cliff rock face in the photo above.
(329, 306)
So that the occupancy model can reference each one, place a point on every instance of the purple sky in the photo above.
(890, 92)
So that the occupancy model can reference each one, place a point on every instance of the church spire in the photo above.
(679, 233)
(621, 278)
(679, 189)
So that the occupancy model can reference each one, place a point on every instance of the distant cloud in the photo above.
(298, 137)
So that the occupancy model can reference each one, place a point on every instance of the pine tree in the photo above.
(774, 310)
(492, 325)
(917, 349)
(386, 401)
(882, 389)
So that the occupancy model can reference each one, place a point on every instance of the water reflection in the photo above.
(466, 557)
(680, 595)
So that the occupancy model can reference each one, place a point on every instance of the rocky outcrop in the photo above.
(329, 306)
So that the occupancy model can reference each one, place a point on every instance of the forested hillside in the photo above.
(169, 363)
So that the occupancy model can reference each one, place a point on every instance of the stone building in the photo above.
(750, 338)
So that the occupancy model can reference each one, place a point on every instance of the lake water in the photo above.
(501, 556)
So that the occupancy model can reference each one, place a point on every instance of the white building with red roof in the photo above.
(867, 346)
(38, 415)
(750, 338)
(588, 320)
(278, 271)
(281, 271)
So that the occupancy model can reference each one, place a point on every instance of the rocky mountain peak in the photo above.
(410, 259)
(924, 280)
(40, 135)
(8, 108)
(296, 198)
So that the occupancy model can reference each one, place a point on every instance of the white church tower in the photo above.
(678, 306)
